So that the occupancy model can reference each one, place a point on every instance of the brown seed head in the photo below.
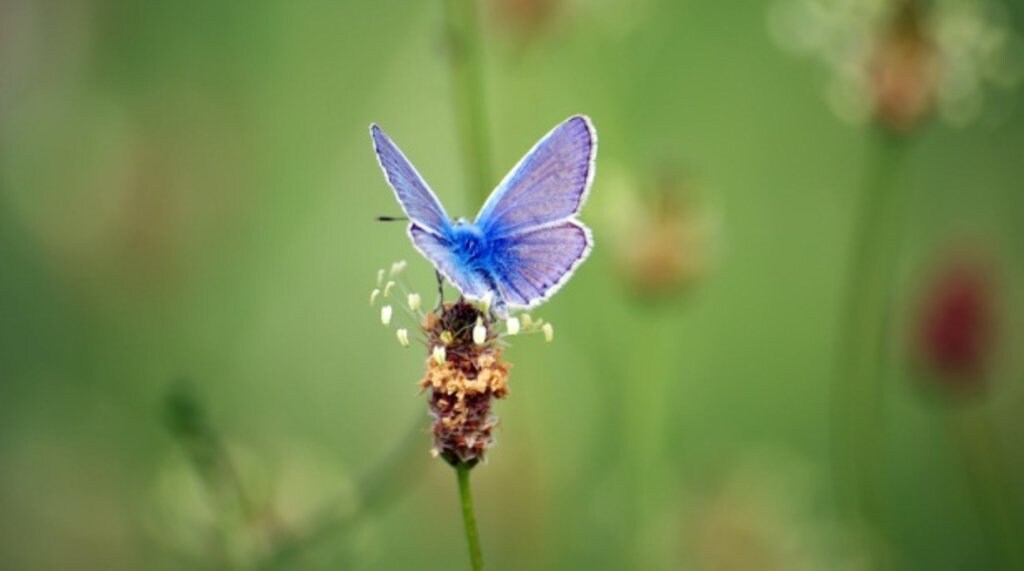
(463, 383)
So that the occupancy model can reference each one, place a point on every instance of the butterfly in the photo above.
(526, 241)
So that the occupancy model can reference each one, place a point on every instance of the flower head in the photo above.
(463, 382)
(955, 327)
(663, 235)
(897, 62)
(465, 372)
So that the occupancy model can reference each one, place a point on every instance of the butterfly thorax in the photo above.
(468, 242)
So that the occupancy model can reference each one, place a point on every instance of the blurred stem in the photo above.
(188, 422)
(476, 557)
(989, 483)
(647, 415)
(858, 395)
(383, 484)
(465, 54)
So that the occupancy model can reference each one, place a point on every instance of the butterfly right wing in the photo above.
(417, 200)
(533, 264)
(530, 219)
(438, 249)
(548, 185)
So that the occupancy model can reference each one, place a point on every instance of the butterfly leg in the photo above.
(440, 289)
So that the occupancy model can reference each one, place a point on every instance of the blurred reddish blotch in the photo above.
(956, 323)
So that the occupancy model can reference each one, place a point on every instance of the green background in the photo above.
(188, 191)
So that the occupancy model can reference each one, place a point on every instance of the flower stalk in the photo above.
(466, 58)
(476, 556)
(858, 395)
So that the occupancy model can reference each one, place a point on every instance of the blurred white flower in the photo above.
(897, 60)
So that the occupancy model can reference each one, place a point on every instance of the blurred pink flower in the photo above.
(955, 326)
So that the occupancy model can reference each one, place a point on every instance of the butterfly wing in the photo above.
(417, 200)
(440, 251)
(531, 265)
(529, 221)
(549, 184)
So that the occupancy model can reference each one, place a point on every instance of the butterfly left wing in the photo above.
(532, 264)
(550, 183)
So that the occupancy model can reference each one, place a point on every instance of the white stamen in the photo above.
(527, 321)
(403, 337)
(439, 355)
(397, 267)
(549, 332)
(479, 332)
(385, 315)
(388, 287)
(414, 301)
(486, 301)
(380, 276)
(374, 295)
(512, 325)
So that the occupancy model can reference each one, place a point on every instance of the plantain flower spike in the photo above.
(465, 373)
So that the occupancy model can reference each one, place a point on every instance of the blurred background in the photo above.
(794, 347)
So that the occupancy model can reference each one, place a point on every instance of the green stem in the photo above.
(466, 56)
(858, 396)
(187, 420)
(476, 557)
(386, 482)
(646, 429)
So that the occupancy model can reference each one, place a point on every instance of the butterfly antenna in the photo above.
(440, 289)
(391, 219)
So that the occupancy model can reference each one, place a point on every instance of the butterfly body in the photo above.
(526, 241)
(472, 250)
(469, 243)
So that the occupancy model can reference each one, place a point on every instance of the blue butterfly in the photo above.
(526, 241)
